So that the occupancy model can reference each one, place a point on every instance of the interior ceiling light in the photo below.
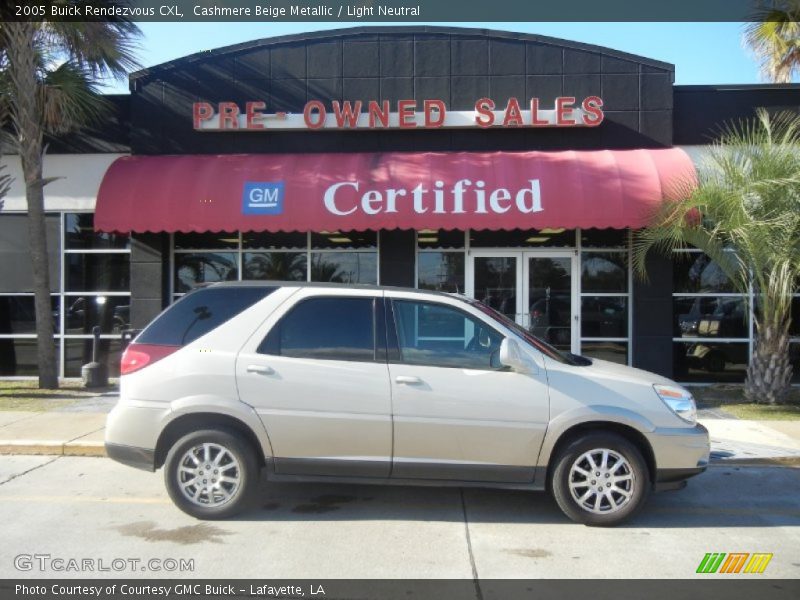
(340, 240)
(536, 240)
(552, 231)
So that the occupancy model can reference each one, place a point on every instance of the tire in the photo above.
(624, 461)
(238, 470)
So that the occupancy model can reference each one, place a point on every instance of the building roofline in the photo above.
(394, 30)
(736, 87)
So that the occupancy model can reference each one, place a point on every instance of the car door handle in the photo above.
(260, 369)
(408, 380)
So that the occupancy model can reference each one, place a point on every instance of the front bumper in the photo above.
(680, 453)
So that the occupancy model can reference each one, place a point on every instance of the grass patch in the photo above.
(24, 395)
(730, 399)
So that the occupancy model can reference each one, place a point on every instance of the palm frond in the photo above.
(69, 98)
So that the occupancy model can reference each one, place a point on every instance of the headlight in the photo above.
(679, 401)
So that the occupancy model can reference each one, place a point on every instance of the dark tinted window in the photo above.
(325, 328)
(199, 312)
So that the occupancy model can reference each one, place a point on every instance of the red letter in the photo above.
(535, 120)
(201, 111)
(321, 113)
(593, 107)
(430, 107)
(406, 116)
(253, 112)
(347, 115)
(485, 116)
(381, 113)
(228, 113)
(513, 115)
(564, 110)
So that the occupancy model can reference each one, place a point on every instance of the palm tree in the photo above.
(774, 38)
(48, 72)
(745, 215)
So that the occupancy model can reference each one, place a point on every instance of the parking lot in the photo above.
(92, 508)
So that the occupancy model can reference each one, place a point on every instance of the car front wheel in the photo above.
(600, 479)
(211, 474)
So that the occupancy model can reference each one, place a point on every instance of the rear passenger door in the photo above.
(317, 376)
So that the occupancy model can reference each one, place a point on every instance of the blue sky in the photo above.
(701, 52)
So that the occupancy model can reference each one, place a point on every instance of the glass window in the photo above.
(18, 357)
(611, 351)
(710, 316)
(79, 234)
(344, 239)
(794, 327)
(440, 238)
(206, 241)
(199, 312)
(794, 357)
(18, 314)
(522, 238)
(710, 361)
(604, 272)
(441, 336)
(604, 316)
(325, 329)
(440, 271)
(97, 272)
(204, 267)
(279, 266)
(16, 274)
(83, 313)
(345, 267)
(604, 238)
(694, 272)
(275, 241)
(78, 352)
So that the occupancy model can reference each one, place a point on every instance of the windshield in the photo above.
(539, 344)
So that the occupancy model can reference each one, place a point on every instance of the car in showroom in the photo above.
(244, 381)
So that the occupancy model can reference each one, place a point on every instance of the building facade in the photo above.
(508, 167)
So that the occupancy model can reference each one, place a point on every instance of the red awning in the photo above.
(415, 190)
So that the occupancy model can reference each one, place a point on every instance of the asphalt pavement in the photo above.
(92, 509)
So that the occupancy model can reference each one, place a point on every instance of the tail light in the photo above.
(138, 356)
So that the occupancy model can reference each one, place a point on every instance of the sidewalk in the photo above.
(77, 430)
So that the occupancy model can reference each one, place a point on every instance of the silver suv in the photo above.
(319, 382)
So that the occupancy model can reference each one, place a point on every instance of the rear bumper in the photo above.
(139, 458)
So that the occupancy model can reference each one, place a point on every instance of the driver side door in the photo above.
(457, 414)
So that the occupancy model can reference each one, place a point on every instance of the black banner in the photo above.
(387, 11)
(733, 587)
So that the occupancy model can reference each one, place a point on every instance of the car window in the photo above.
(325, 328)
(199, 312)
(442, 336)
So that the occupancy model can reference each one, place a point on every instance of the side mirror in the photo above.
(512, 356)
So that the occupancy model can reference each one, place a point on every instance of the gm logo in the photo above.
(262, 198)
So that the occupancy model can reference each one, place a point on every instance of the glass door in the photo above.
(551, 298)
(536, 289)
(496, 281)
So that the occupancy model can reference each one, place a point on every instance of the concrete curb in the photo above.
(78, 448)
(774, 461)
(52, 448)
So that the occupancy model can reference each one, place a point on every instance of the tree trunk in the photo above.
(26, 117)
(769, 373)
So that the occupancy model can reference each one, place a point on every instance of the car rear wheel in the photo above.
(211, 474)
(600, 479)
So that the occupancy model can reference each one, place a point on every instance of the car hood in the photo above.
(604, 368)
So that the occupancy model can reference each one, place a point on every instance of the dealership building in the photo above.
(508, 167)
